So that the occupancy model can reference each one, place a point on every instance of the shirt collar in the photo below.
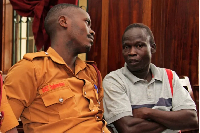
(55, 56)
(79, 64)
(155, 73)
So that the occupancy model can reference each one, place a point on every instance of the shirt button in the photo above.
(93, 110)
(85, 93)
(46, 53)
(61, 100)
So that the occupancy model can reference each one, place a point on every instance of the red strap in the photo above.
(1, 88)
(98, 75)
(170, 77)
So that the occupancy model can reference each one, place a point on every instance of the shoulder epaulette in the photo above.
(31, 56)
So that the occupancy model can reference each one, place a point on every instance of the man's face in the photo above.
(136, 49)
(80, 31)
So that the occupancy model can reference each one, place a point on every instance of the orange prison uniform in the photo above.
(9, 120)
(50, 98)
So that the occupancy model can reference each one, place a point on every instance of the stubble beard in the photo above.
(88, 49)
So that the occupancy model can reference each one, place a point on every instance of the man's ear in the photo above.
(63, 21)
(153, 48)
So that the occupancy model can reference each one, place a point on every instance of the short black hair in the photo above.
(140, 25)
(53, 14)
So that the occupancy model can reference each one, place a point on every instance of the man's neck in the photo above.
(145, 73)
(68, 56)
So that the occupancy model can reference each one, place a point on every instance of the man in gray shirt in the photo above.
(141, 97)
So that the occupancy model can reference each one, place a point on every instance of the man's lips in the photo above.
(133, 61)
(91, 37)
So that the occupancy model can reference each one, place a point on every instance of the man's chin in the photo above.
(88, 49)
(133, 68)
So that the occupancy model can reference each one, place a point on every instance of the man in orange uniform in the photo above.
(55, 91)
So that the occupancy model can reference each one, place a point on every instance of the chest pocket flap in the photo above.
(57, 96)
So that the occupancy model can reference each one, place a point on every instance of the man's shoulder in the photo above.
(161, 69)
(115, 76)
(32, 56)
(115, 73)
(92, 66)
(27, 62)
(161, 73)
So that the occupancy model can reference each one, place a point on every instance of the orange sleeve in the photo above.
(20, 86)
(9, 121)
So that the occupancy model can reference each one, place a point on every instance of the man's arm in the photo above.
(17, 93)
(175, 120)
(9, 120)
(129, 124)
(20, 77)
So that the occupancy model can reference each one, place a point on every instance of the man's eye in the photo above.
(125, 47)
(87, 22)
(139, 45)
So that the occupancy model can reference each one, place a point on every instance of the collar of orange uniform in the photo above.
(38, 9)
(80, 65)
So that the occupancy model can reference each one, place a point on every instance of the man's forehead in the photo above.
(137, 30)
(135, 34)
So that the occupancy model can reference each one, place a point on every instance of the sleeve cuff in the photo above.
(9, 121)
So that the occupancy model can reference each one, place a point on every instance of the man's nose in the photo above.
(92, 32)
(132, 51)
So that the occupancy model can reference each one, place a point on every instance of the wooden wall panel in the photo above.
(104, 37)
(7, 36)
(175, 24)
(121, 14)
(158, 29)
(1, 29)
(183, 37)
(95, 12)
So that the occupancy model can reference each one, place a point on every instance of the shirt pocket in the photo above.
(59, 102)
(57, 97)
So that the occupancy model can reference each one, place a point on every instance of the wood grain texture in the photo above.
(95, 12)
(158, 28)
(121, 14)
(175, 26)
(1, 30)
(104, 37)
(7, 36)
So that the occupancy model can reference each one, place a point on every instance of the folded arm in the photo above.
(129, 124)
(175, 120)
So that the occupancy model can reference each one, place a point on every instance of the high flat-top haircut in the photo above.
(53, 14)
(140, 25)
